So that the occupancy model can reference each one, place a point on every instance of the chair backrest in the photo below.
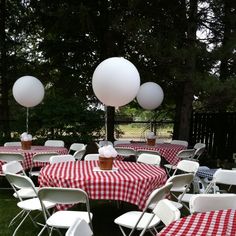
(116, 142)
(79, 228)
(179, 181)
(187, 166)
(43, 157)
(10, 144)
(61, 158)
(13, 167)
(104, 143)
(199, 145)
(125, 151)
(212, 202)
(92, 157)
(151, 159)
(11, 156)
(199, 151)
(186, 154)
(78, 155)
(60, 195)
(157, 195)
(76, 147)
(179, 142)
(140, 151)
(166, 211)
(20, 181)
(54, 143)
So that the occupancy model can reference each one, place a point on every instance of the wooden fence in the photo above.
(217, 131)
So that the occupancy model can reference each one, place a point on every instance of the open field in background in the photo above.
(138, 131)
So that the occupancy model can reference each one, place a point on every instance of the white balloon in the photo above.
(28, 91)
(116, 81)
(150, 95)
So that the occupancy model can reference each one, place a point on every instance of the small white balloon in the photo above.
(150, 96)
(28, 91)
(116, 81)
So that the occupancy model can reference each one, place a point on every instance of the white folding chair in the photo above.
(187, 166)
(151, 159)
(166, 212)
(6, 157)
(198, 153)
(40, 158)
(61, 158)
(179, 142)
(12, 144)
(79, 228)
(92, 157)
(54, 143)
(140, 151)
(116, 142)
(184, 155)
(126, 152)
(76, 147)
(212, 202)
(78, 155)
(14, 167)
(222, 176)
(64, 219)
(28, 205)
(181, 184)
(143, 220)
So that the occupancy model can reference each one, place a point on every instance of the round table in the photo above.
(212, 223)
(28, 154)
(166, 150)
(130, 182)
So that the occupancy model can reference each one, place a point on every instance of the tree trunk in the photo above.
(4, 108)
(226, 50)
(182, 125)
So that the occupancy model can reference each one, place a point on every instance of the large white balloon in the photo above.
(116, 81)
(150, 96)
(28, 91)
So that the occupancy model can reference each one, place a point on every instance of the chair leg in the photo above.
(122, 231)
(44, 227)
(13, 221)
(20, 223)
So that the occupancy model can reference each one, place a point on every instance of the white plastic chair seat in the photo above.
(26, 193)
(187, 197)
(35, 173)
(64, 219)
(34, 204)
(129, 220)
(150, 159)
(178, 189)
(178, 205)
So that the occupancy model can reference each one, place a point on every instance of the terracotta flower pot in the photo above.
(105, 163)
(151, 141)
(26, 145)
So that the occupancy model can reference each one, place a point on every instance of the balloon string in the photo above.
(105, 107)
(27, 120)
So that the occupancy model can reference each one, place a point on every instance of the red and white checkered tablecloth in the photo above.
(213, 223)
(131, 182)
(166, 150)
(28, 154)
